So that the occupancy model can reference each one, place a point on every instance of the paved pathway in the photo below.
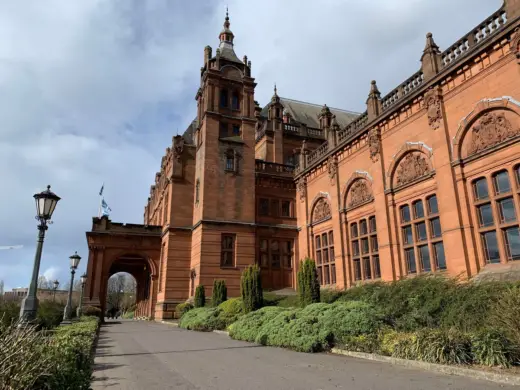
(153, 356)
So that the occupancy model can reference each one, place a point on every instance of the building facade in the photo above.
(426, 180)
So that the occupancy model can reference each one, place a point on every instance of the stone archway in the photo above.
(117, 247)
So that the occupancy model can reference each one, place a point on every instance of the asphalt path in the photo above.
(151, 356)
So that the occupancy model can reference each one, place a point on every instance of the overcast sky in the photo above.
(92, 91)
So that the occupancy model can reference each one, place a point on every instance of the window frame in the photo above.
(224, 251)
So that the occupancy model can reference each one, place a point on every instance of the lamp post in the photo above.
(83, 280)
(67, 313)
(46, 202)
(56, 283)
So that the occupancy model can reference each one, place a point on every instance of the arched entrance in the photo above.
(115, 248)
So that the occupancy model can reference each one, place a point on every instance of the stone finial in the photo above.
(208, 52)
(431, 58)
(244, 59)
(374, 105)
(334, 124)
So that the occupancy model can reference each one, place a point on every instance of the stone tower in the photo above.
(223, 239)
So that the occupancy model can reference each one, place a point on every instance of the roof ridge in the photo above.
(317, 105)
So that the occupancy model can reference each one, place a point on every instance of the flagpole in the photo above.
(101, 199)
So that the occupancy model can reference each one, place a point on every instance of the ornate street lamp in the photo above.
(67, 313)
(46, 202)
(56, 283)
(83, 280)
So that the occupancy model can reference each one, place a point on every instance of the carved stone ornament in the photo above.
(491, 129)
(515, 44)
(178, 146)
(411, 168)
(332, 167)
(321, 210)
(359, 193)
(302, 189)
(374, 144)
(433, 108)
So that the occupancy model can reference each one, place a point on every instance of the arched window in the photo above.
(223, 98)
(235, 101)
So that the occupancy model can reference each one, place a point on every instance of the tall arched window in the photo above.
(223, 98)
(235, 101)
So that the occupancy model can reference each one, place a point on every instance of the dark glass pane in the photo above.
(374, 243)
(357, 269)
(355, 248)
(513, 243)
(435, 226)
(275, 207)
(275, 246)
(502, 182)
(363, 227)
(421, 231)
(275, 261)
(367, 268)
(418, 209)
(318, 242)
(264, 260)
(235, 102)
(263, 245)
(517, 171)
(432, 205)
(223, 98)
(410, 260)
(507, 210)
(286, 208)
(236, 130)
(331, 238)
(264, 207)
(405, 213)
(324, 239)
(354, 230)
(364, 245)
(377, 267)
(407, 235)
(489, 240)
(481, 188)
(485, 215)
(326, 274)
(372, 223)
(440, 259)
(318, 257)
(325, 255)
(319, 275)
(230, 162)
(425, 258)
(331, 254)
(223, 130)
(333, 273)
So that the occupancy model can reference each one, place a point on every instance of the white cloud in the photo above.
(93, 91)
(51, 273)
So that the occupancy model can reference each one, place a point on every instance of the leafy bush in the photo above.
(271, 299)
(330, 295)
(251, 288)
(200, 296)
(128, 315)
(91, 311)
(248, 326)
(24, 356)
(202, 319)
(219, 294)
(492, 348)
(183, 308)
(505, 314)
(9, 312)
(308, 285)
(49, 314)
(231, 310)
(368, 343)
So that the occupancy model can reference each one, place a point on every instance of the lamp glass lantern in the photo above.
(74, 260)
(56, 283)
(46, 202)
(83, 279)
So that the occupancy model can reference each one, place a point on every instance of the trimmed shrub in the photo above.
(308, 285)
(505, 313)
(91, 311)
(219, 294)
(368, 343)
(330, 295)
(202, 319)
(200, 296)
(248, 326)
(492, 348)
(183, 308)
(231, 310)
(271, 299)
(49, 314)
(9, 313)
(251, 288)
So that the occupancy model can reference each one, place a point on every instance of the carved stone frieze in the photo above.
(374, 144)
(359, 193)
(433, 108)
(332, 167)
(515, 44)
(301, 187)
(321, 210)
(491, 129)
(178, 146)
(411, 168)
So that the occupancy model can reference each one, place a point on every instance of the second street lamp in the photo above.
(56, 283)
(46, 202)
(67, 313)
(83, 280)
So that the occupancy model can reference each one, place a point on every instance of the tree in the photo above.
(200, 296)
(219, 294)
(308, 285)
(44, 284)
(251, 288)
(121, 292)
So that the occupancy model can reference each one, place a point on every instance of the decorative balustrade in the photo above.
(315, 132)
(480, 34)
(320, 152)
(404, 89)
(273, 168)
(291, 128)
(353, 127)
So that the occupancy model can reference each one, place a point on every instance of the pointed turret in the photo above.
(226, 41)
(431, 58)
(374, 105)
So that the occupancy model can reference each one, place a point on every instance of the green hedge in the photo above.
(49, 313)
(206, 319)
(183, 308)
(60, 359)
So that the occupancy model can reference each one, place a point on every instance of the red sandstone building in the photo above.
(426, 180)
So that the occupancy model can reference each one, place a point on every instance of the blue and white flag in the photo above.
(101, 190)
(105, 209)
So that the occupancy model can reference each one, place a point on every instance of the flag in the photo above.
(101, 190)
(105, 208)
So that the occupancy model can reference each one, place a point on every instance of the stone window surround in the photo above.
(372, 254)
(319, 250)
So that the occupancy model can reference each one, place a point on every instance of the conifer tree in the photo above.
(308, 285)
(251, 288)
(200, 296)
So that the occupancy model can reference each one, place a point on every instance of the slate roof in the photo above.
(308, 113)
(227, 52)
(190, 131)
